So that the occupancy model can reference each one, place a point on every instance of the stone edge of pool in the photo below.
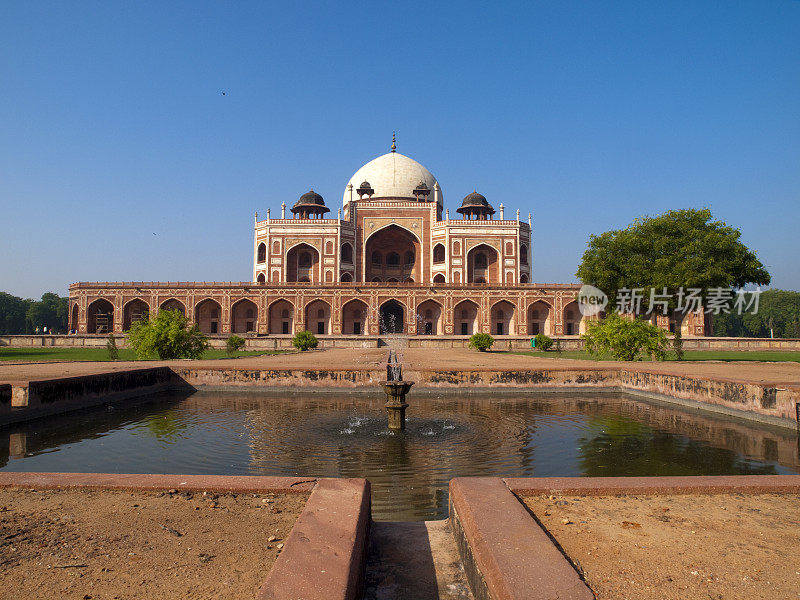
(767, 403)
(324, 555)
(506, 553)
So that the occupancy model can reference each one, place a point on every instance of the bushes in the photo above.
(168, 336)
(481, 342)
(234, 344)
(626, 339)
(304, 340)
(543, 342)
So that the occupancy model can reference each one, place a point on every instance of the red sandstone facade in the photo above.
(389, 263)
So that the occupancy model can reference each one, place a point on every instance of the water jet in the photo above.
(396, 390)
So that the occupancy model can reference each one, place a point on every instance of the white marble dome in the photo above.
(392, 175)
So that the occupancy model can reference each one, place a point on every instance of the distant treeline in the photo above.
(778, 311)
(23, 315)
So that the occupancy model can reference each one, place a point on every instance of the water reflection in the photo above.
(448, 436)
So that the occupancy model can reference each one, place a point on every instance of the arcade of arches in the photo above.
(380, 309)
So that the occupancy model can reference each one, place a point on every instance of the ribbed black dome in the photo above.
(365, 185)
(475, 203)
(311, 200)
(422, 186)
(475, 199)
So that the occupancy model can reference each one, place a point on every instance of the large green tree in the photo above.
(680, 248)
(12, 314)
(50, 311)
(21, 315)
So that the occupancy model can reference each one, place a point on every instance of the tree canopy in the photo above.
(680, 248)
(778, 310)
(22, 315)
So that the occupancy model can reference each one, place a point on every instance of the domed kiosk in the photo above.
(310, 203)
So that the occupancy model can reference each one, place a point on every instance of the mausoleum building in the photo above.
(389, 260)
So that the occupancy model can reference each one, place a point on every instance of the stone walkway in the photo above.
(783, 374)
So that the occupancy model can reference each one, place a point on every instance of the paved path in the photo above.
(779, 373)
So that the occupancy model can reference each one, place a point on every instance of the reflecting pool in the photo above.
(345, 435)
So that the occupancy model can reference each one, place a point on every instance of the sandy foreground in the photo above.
(91, 544)
(783, 373)
(678, 547)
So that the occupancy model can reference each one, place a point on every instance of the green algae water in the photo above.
(446, 436)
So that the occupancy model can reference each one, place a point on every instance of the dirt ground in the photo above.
(786, 373)
(90, 544)
(679, 547)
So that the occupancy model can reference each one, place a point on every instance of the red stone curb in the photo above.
(324, 555)
(326, 551)
(607, 486)
(215, 483)
(506, 554)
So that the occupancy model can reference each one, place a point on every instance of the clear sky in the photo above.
(122, 159)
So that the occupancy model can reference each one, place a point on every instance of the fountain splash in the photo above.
(396, 390)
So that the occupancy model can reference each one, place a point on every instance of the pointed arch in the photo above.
(483, 265)
(346, 277)
(465, 318)
(261, 255)
(439, 278)
(318, 317)
(244, 316)
(572, 319)
(100, 317)
(393, 251)
(303, 264)
(354, 318)
(346, 253)
(503, 318)
(208, 316)
(281, 316)
(540, 318)
(73, 318)
(438, 253)
(135, 310)
(429, 318)
(392, 316)
(261, 279)
(173, 304)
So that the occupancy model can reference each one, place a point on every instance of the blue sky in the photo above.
(121, 159)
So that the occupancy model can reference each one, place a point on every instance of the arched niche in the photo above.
(465, 318)
(393, 252)
(244, 316)
(354, 318)
(483, 265)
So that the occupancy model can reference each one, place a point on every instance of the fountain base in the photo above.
(396, 402)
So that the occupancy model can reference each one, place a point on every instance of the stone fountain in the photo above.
(396, 390)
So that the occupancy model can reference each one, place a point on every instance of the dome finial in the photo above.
(394, 145)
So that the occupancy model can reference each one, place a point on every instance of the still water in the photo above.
(447, 436)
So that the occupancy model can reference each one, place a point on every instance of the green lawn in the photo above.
(724, 355)
(101, 354)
